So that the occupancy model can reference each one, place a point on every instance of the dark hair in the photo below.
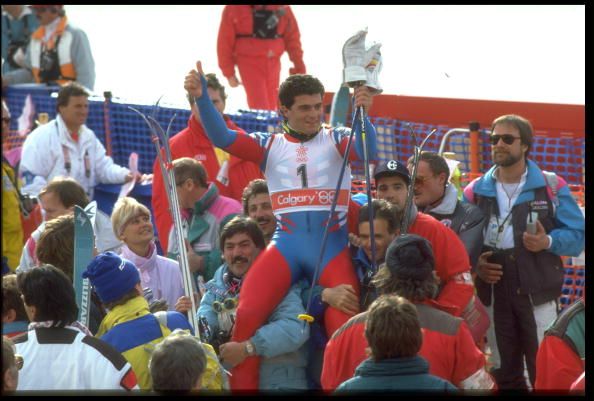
(296, 85)
(177, 363)
(186, 168)
(133, 293)
(522, 124)
(67, 190)
(413, 290)
(253, 188)
(436, 163)
(51, 292)
(11, 298)
(382, 209)
(392, 328)
(56, 244)
(69, 90)
(243, 224)
(212, 82)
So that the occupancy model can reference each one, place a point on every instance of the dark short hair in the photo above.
(51, 292)
(67, 190)
(212, 82)
(392, 328)
(382, 209)
(297, 85)
(522, 124)
(413, 290)
(437, 164)
(11, 297)
(186, 168)
(243, 224)
(253, 188)
(177, 363)
(69, 90)
(56, 244)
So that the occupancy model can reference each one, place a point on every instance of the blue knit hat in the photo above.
(111, 276)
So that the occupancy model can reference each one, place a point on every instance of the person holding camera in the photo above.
(57, 53)
(18, 22)
(254, 37)
(532, 219)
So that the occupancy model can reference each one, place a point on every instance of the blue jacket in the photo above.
(399, 374)
(569, 233)
(281, 342)
(541, 274)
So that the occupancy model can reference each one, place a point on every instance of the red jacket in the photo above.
(193, 142)
(557, 365)
(447, 345)
(452, 264)
(237, 20)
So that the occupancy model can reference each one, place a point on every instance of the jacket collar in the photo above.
(133, 309)
(206, 200)
(448, 203)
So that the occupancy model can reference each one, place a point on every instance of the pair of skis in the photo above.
(161, 142)
(84, 243)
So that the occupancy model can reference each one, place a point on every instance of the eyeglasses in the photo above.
(227, 305)
(508, 139)
(19, 361)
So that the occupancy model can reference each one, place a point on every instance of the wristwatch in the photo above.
(249, 348)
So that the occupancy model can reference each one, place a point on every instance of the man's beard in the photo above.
(508, 160)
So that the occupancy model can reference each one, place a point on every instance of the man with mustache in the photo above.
(281, 340)
(257, 205)
(521, 272)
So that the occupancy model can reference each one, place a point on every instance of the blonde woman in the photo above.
(132, 224)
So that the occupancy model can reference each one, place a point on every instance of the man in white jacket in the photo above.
(67, 147)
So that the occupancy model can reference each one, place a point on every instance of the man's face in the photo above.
(507, 155)
(383, 238)
(52, 206)
(393, 189)
(217, 99)
(45, 15)
(76, 111)
(239, 252)
(305, 115)
(428, 187)
(5, 122)
(260, 209)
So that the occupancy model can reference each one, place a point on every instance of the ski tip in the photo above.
(306, 317)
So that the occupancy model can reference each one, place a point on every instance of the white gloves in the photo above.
(353, 59)
(373, 66)
(361, 66)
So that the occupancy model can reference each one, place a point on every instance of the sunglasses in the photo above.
(508, 139)
(227, 305)
(420, 180)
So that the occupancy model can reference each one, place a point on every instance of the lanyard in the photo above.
(68, 164)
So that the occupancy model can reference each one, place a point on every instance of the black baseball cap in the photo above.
(392, 167)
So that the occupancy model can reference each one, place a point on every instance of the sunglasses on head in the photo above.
(508, 139)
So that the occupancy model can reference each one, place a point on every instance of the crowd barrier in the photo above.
(122, 131)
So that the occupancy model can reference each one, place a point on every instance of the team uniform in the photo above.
(302, 179)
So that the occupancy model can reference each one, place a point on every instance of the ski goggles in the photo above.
(227, 305)
(508, 139)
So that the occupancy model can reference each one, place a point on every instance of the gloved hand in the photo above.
(298, 68)
(353, 59)
(373, 66)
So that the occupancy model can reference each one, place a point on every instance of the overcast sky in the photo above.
(532, 53)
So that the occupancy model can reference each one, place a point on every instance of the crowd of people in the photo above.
(300, 284)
